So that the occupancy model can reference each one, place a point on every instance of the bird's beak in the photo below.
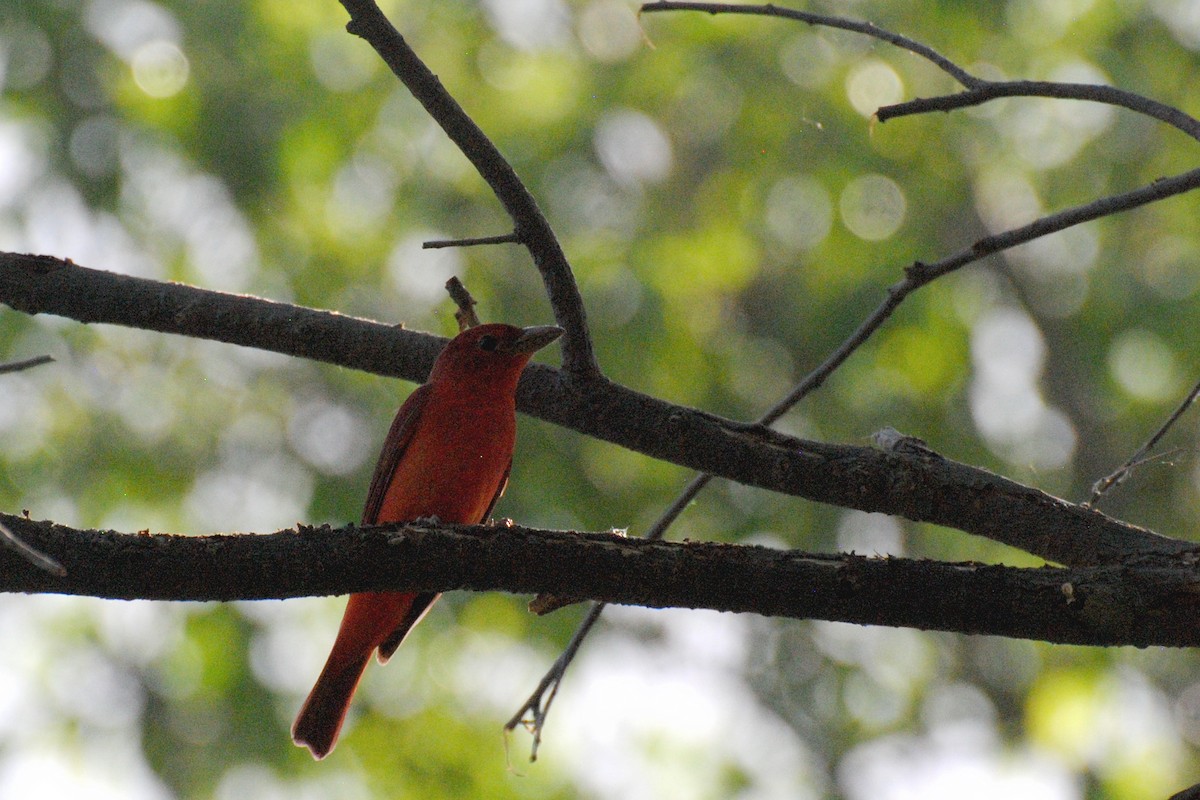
(533, 339)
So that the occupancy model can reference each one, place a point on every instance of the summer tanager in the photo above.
(447, 456)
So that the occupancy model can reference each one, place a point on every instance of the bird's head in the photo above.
(493, 352)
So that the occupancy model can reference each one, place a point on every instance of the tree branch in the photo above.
(532, 228)
(47, 285)
(24, 364)
(979, 90)
(1147, 601)
(824, 20)
(1114, 478)
(984, 91)
(919, 486)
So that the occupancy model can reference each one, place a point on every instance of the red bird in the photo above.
(447, 455)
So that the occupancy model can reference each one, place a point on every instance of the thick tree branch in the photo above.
(532, 228)
(47, 285)
(1150, 600)
(919, 486)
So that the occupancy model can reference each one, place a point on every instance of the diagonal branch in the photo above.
(532, 228)
(1114, 478)
(1146, 601)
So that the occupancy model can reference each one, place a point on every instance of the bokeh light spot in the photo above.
(873, 207)
(873, 84)
(160, 69)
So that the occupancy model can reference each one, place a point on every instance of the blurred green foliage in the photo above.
(732, 213)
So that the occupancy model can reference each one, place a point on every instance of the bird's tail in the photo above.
(321, 717)
(373, 620)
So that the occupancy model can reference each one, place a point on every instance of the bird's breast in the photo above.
(454, 465)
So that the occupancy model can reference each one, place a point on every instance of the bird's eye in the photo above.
(488, 343)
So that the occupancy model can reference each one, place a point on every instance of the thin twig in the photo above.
(29, 363)
(854, 26)
(532, 715)
(7, 537)
(1122, 472)
(538, 704)
(503, 238)
(466, 316)
(987, 91)
(531, 225)
(919, 273)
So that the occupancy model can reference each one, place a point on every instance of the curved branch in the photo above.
(1147, 601)
(979, 90)
(985, 91)
(920, 486)
(532, 228)
(825, 21)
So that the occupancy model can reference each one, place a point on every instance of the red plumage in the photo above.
(447, 455)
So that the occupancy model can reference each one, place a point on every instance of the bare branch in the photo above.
(979, 90)
(921, 273)
(826, 21)
(532, 228)
(532, 715)
(924, 488)
(503, 238)
(1149, 600)
(47, 285)
(28, 363)
(1100, 487)
(986, 91)
(466, 316)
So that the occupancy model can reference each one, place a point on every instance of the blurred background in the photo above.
(732, 212)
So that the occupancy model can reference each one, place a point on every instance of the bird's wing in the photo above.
(397, 441)
(499, 491)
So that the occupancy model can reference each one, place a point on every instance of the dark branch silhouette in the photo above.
(531, 227)
(28, 363)
(923, 487)
(1147, 601)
